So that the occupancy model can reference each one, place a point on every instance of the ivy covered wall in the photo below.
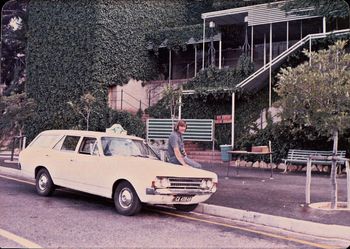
(82, 46)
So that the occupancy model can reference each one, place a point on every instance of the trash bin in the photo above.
(225, 156)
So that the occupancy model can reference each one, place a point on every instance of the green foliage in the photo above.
(13, 44)
(84, 107)
(176, 37)
(317, 95)
(14, 111)
(129, 122)
(214, 88)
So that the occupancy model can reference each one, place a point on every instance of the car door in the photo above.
(89, 169)
(64, 160)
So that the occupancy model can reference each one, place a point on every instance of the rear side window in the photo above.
(70, 143)
(45, 141)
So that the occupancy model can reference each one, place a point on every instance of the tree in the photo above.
(84, 107)
(15, 110)
(13, 45)
(318, 95)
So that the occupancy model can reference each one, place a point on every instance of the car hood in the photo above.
(160, 168)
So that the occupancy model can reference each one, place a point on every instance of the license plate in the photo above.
(182, 198)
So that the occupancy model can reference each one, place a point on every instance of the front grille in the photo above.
(185, 183)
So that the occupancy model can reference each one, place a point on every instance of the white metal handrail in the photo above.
(287, 52)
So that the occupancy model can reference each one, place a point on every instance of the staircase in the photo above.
(195, 152)
(256, 81)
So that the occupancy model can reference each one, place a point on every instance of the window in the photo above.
(45, 141)
(70, 143)
(89, 146)
(125, 147)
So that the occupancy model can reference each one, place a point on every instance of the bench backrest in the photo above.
(197, 129)
(305, 154)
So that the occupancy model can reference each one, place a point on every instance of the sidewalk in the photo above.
(252, 196)
(279, 202)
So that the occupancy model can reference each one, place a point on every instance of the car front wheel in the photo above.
(44, 184)
(186, 207)
(126, 200)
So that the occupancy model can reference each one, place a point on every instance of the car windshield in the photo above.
(113, 146)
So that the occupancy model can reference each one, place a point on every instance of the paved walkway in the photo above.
(284, 195)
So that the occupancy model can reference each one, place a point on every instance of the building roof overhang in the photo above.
(257, 14)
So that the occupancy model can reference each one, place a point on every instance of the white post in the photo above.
(308, 182)
(169, 66)
(252, 45)
(220, 53)
(24, 143)
(310, 44)
(270, 69)
(195, 60)
(180, 104)
(301, 29)
(348, 182)
(287, 35)
(324, 24)
(264, 49)
(233, 121)
(203, 54)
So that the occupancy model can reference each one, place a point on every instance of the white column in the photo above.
(203, 54)
(233, 121)
(264, 49)
(169, 65)
(195, 60)
(287, 34)
(220, 53)
(310, 49)
(180, 104)
(270, 69)
(301, 29)
(324, 24)
(252, 44)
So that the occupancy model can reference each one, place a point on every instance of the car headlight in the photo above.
(161, 182)
(203, 184)
(165, 182)
(210, 184)
(206, 184)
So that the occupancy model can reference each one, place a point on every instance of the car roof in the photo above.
(88, 133)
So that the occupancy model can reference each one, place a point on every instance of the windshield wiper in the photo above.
(144, 156)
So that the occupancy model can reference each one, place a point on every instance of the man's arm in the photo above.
(179, 156)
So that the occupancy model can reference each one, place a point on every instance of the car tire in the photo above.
(185, 207)
(126, 200)
(44, 184)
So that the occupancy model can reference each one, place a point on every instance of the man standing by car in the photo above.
(176, 148)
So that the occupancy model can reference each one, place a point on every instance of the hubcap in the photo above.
(125, 198)
(43, 180)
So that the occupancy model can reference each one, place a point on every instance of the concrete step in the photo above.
(204, 153)
(204, 157)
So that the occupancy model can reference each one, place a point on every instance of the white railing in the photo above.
(287, 52)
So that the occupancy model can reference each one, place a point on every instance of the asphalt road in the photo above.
(71, 219)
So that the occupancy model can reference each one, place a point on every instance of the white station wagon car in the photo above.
(123, 168)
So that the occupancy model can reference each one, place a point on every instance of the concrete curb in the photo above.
(294, 225)
(11, 171)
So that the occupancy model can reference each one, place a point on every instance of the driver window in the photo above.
(89, 146)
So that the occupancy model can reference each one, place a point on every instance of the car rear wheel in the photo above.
(126, 200)
(44, 184)
(186, 207)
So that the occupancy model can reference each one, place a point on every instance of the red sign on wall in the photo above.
(223, 119)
